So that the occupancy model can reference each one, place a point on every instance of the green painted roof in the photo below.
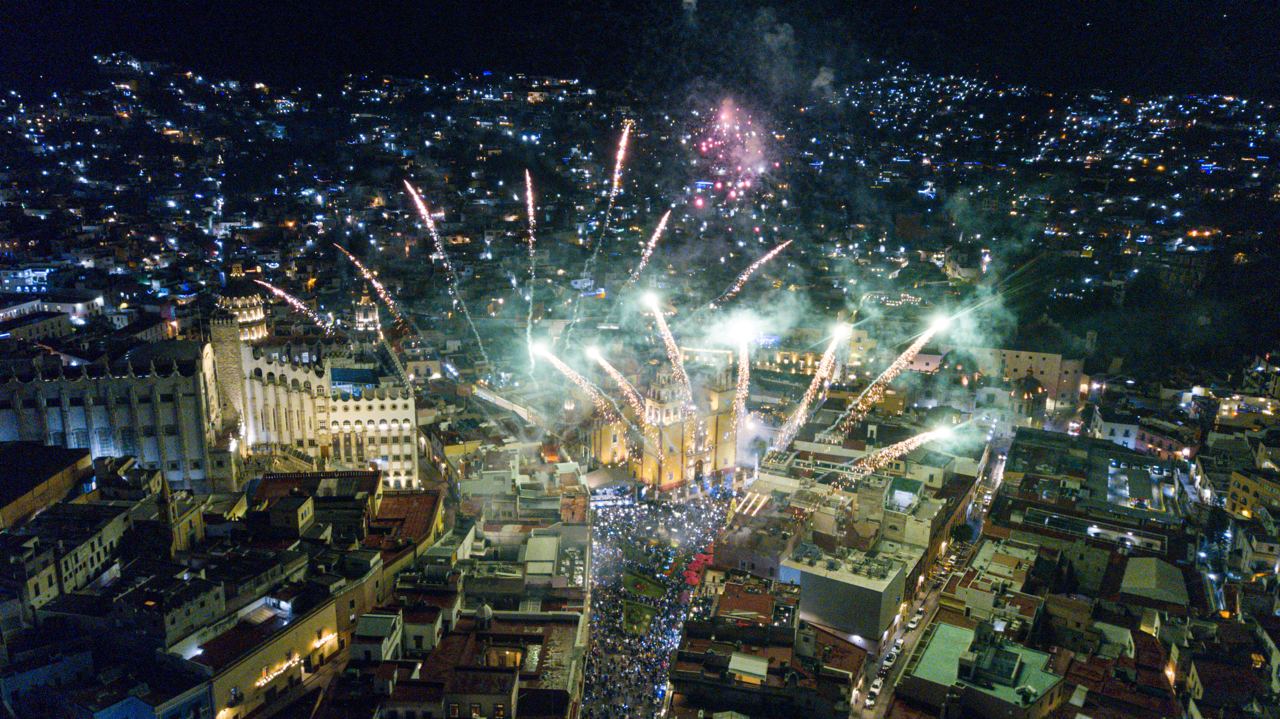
(940, 664)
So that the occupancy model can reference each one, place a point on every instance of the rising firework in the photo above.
(673, 349)
(744, 383)
(741, 282)
(298, 306)
(533, 261)
(826, 367)
(629, 391)
(875, 391)
(615, 186)
(602, 404)
(451, 282)
(649, 247)
(392, 306)
(883, 457)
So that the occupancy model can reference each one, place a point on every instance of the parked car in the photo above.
(871, 701)
(890, 660)
(876, 686)
(915, 622)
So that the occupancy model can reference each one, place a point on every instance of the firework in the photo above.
(392, 306)
(875, 391)
(819, 382)
(741, 282)
(673, 350)
(451, 283)
(298, 306)
(601, 402)
(614, 187)
(615, 184)
(881, 458)
(649, 247)
(744, 383)
(533, 262)
(628, 390)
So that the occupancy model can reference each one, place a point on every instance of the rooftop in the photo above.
(37, 463)
(1014, 665)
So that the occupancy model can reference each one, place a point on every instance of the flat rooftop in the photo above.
(939, 663)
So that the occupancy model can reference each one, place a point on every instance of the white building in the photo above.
(341, 417)
(859, 594)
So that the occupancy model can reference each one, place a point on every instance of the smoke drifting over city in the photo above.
(654, 360)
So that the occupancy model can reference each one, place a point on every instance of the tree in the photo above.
(962, 533)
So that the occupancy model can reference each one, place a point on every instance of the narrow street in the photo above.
(910, 637)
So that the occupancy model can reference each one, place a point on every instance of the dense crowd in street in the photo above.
(626, 672)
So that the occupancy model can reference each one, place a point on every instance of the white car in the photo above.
(876, 686)
(915, 622)
(890, 660)
(871, 701)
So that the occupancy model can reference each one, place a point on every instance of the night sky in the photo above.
(656, 46)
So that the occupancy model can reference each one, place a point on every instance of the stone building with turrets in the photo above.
(158, 402)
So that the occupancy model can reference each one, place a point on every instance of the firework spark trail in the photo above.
(603, 406)
(820, 378)
(875, 391)
(533, 261)
(649, 247)
(882, 457)
(673, 354)
(378, 288)
(744, 383)
(629, 391)
(298, 306)
(452, 275)
(741, 282)
(614, 186)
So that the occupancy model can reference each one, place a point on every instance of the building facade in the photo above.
(158, 403)
(310, 405)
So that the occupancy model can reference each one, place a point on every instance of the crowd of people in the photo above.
(626, 675)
